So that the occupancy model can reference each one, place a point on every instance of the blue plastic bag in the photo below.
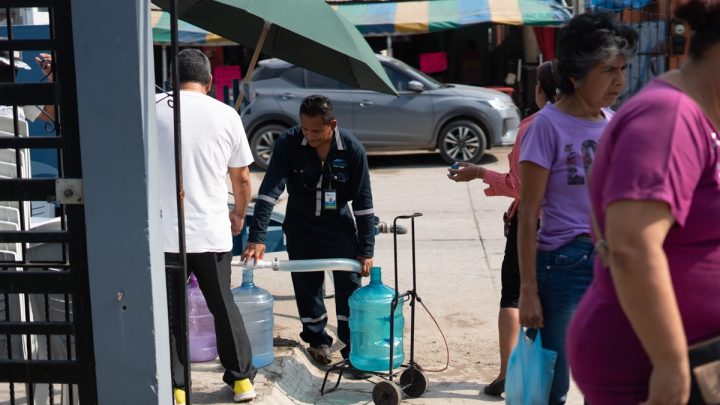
(530, 372)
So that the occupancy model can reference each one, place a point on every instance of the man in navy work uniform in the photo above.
(324, 168)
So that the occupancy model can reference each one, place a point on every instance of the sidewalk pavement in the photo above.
(459, 250)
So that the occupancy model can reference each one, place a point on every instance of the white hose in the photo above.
(318, 265)
(260, 264)
(302, 266)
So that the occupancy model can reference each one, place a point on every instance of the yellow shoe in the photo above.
(179, 395)
(244, 390)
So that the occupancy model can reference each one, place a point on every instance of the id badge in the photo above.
(330, 200)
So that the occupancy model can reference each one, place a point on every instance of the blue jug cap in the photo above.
(193, 280)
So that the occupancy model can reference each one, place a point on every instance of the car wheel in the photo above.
(462, 141)
(262, 143)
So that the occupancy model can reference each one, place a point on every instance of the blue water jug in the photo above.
(201, 325)
(370, 326)
(256, 307)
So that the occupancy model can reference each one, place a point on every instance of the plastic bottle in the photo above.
(256, 307)
(370, 326)
(454, 166)
(201, 326)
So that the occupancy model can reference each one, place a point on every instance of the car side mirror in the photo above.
(416, 86)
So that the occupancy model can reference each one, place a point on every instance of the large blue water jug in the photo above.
(370, 326)
(256, 307)
(201, 325)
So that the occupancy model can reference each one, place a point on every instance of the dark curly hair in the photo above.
(587, 40)
(704, 19)
(317, 105)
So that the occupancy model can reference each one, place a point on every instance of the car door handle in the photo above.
(288, 96)
(366, 103)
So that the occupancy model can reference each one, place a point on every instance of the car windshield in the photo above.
(267, 73)
(427, 81)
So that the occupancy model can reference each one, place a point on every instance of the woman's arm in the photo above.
(501, 184)
(635, 232)
(534, 179)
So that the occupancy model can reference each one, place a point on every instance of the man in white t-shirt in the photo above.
(213, 144)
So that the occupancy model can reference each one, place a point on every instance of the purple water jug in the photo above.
(201, 325)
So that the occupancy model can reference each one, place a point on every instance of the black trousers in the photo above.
(212, 271)
(510, 271)
(311, 307)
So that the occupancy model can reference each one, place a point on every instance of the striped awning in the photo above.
(188, 34)
(416, 17)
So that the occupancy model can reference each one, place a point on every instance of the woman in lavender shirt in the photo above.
(556, 260)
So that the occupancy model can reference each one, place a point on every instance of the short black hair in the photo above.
(193, 66)
(704, 19)
(317, 105)
(587, 40)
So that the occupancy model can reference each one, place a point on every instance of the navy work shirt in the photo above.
(312, 229)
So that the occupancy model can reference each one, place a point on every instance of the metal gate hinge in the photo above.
(69, 191)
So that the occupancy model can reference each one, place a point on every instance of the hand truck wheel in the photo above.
(414, 382)
(386, 393)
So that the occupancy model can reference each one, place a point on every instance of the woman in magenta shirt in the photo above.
(656, 194)
(508, 185)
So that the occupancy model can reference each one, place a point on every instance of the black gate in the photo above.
(652, 23)
(46, 346)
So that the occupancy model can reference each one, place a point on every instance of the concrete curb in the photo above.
(293, 379)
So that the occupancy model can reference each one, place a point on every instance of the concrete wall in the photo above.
(114, 65)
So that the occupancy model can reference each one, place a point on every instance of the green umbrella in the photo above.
(307, 33)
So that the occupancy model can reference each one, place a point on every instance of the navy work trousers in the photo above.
(311, 307)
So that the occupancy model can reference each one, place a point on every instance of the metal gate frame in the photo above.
(29, 281)
(653, 56)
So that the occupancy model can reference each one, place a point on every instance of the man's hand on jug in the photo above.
(254, 252)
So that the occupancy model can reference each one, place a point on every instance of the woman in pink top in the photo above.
(655, 190)
(508, 185)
